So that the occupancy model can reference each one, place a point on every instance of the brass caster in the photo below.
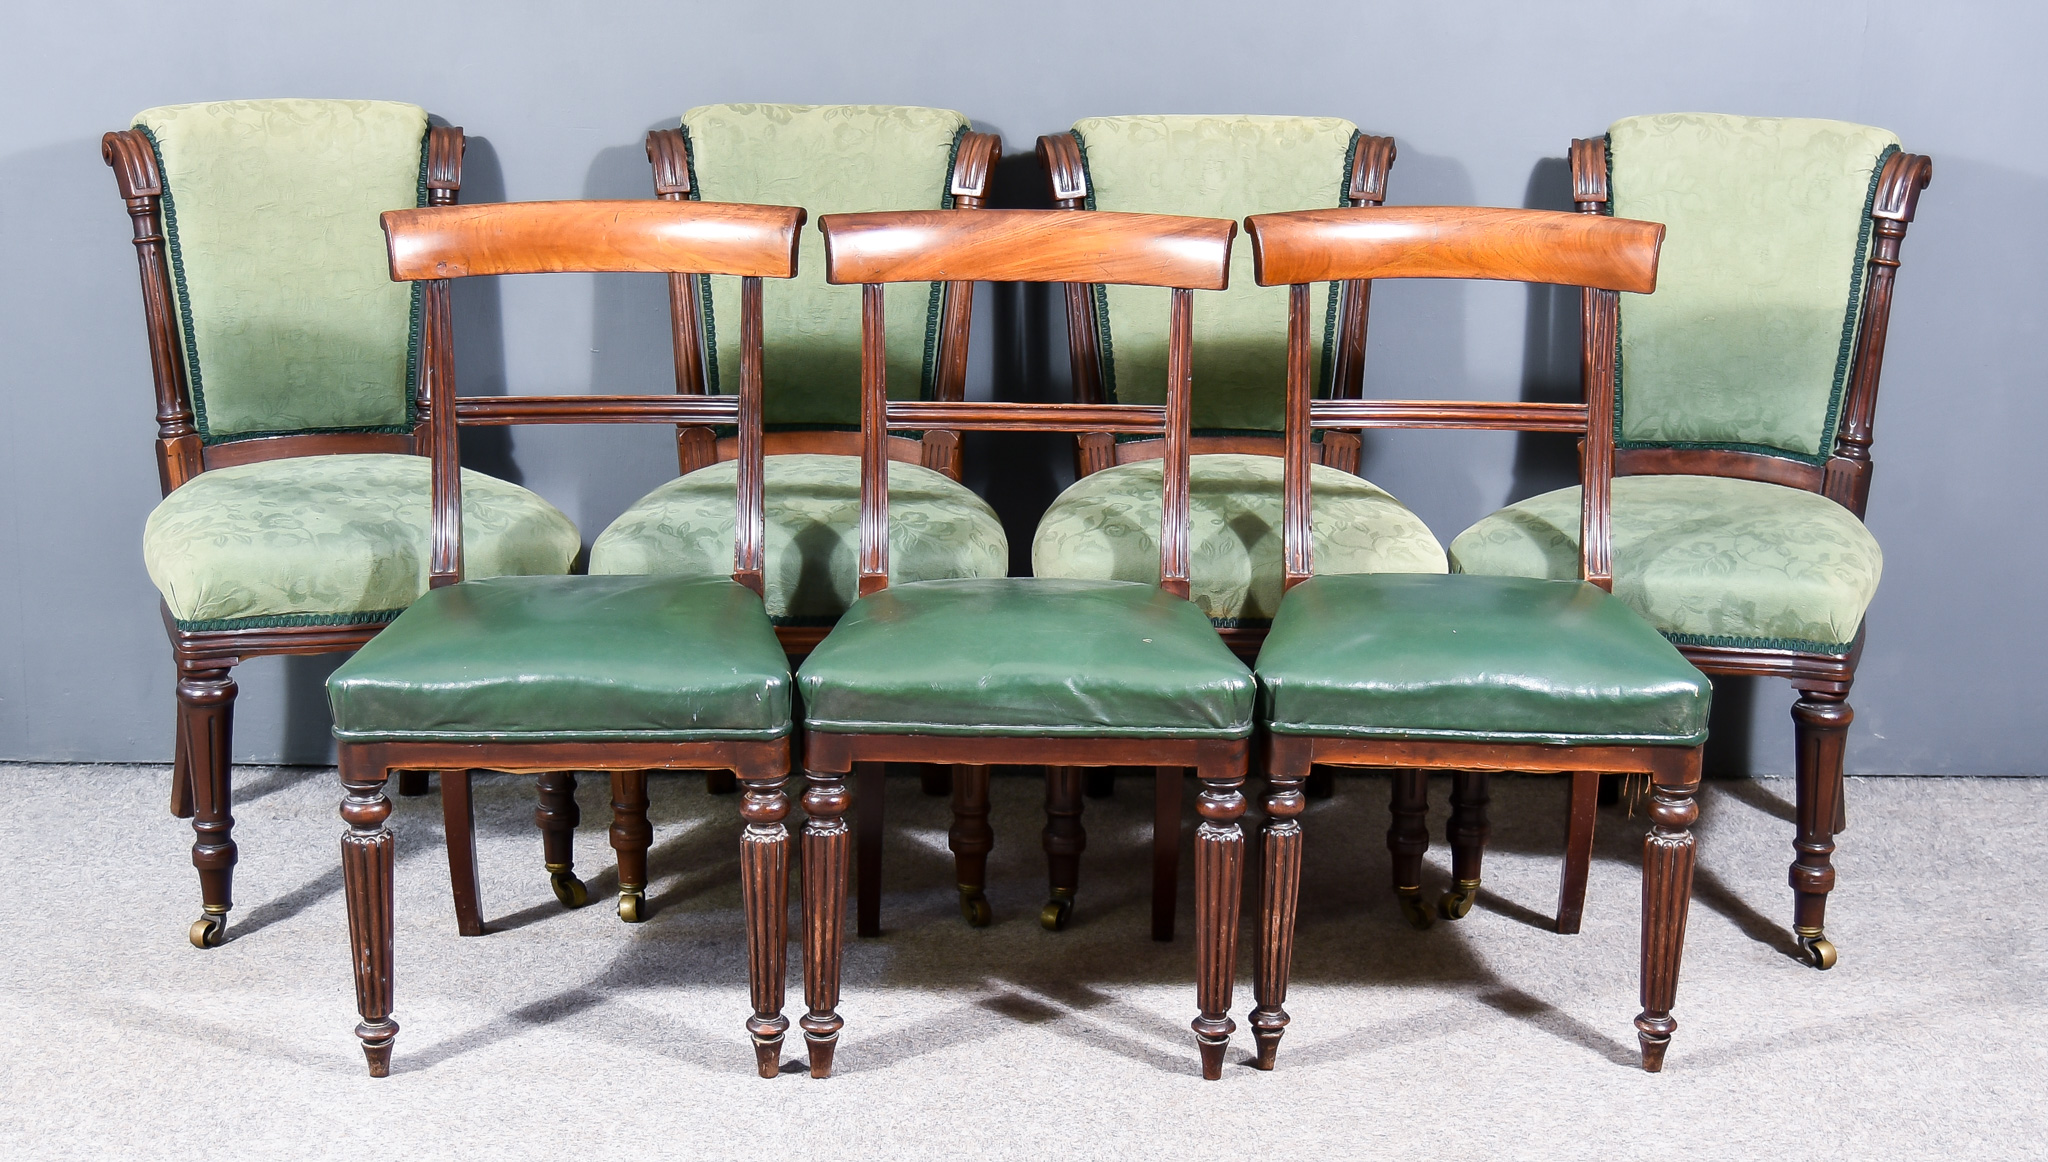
(1457, 903)
(1412, 907)
(569, 889)
(1817, 950)
(632, 905)
(209, 930)
(975, 910)
(1053, 917)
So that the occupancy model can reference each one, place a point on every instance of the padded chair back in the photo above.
(1602, 255)
(1178, 254)
(829, 159)
(285, 318)
(1749, 344)
(1221, 167)
(433, 246)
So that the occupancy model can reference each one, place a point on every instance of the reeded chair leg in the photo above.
(1064, 840)
(1165, 849)
(206, 704)
(1580, 820)
(1820, 721)
(971, 839)
(458, 823)
(1466, 832)
(413, 784)
(556, 814)
(367, 857)
(631, 836)
(1279, 893)
(1408, 842)
(827, 846)
(1219, 890)
(1668, 855)
(869, 786)
(764, 896)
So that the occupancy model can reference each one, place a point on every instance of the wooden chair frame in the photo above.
(1184, 254)
(201, 774)
(1522, 245)
(435, 246)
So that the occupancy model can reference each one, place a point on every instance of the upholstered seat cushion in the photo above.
(569, 658)
(1026, 656)
(1476, 659)
(1709, 561)
(325, 540)
(937, 528)
(1106, 527)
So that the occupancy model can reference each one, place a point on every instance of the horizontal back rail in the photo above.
(499, 411)
(655, 237)
(1028, 246)
(1543, 246)
(1347, 414)
(1028, 417)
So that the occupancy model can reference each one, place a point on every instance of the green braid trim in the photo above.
(289, 620)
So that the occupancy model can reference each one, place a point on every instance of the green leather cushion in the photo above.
(1106, 527)
(323, 540)
(1026, 657)
(539, 659)
(1707, 560)
(937, 528)
(1474, 659)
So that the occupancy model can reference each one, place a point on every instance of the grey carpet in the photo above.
(568, 1035)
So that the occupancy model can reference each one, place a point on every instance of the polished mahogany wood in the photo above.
(484, 411)
(1540, 246)
(652, 237)
(1028, 246)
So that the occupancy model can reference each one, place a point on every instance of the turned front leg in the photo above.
(1668, 853)
(1467, 832)
(1219, 887)
(206, 706)
(827, 851)
(631, 836)
(1821, 721)
(764, 894)
(1064, 839)
(971, 839)
(1408, 842)
(367, 856)
(1279, 893)
(556, 814)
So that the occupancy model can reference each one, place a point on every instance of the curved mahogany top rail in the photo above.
(657, 237)
(1028, 246)
(1547, 246)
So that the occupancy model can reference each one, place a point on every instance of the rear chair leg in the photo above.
(1064, 841)
(458, 822)
(826, 847)
(1165, 849)
(556, 814)
(971, 839)
(1578, 850)
(1219, 890)
(1408, 841)
(1467, 833)
(631, 836)
(764, 895)
(867, 811)
(413, 784)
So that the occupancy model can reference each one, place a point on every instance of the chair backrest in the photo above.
(1602, 255)
(1178, 254)
(432, 246)
(1226, 167)
(284, 319)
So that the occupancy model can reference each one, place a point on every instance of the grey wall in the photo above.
(1482, 96)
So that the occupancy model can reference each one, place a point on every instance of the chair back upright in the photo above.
(437, 245)
(1604, 256)
(1180, 254)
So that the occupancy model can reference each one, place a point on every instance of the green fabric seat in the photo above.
(543, 659)
(1475, 659)
(1026, 657)
(937, 528)
(1106, 527)
(332, 540)
(1708, 560)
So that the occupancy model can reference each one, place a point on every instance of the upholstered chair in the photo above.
(1746, 388)
(290, 418)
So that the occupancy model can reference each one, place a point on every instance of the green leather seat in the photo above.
(937, 528)
(1708, 560)
(1026, 657)
(332, 540)
(1106, 527)
(554, 659)
(1477, 659)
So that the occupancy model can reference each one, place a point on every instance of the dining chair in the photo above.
(525, 674)
(290, 427)
(1473, 674)
(1062, 672)
(1745, 394)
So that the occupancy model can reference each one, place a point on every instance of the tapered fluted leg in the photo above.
(1166, 784)
(869, 787)
(181, 772)
(1821, 721)
(1219, 888)
(1279, 891)
(556, 814)
(827, 846)
(1667, 895)
(206, 702)
(971, 839)
(1064, 840)
(413, 784)
(631, 836)
(1580, 819)
(1408, 842)
(458, 823)
(1466, 832)
(366, 865)
(764, 892)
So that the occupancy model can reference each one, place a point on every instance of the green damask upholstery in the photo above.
(1708, 560)
(1216, 167)
(1474, 659)
(287, 315)
(548, 659)
(1026, 657)
(829, 159)
(332, 540)
(1748, 341)
(1106, 527)
(937, 528)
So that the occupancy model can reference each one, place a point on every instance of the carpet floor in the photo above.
(569, 1035)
